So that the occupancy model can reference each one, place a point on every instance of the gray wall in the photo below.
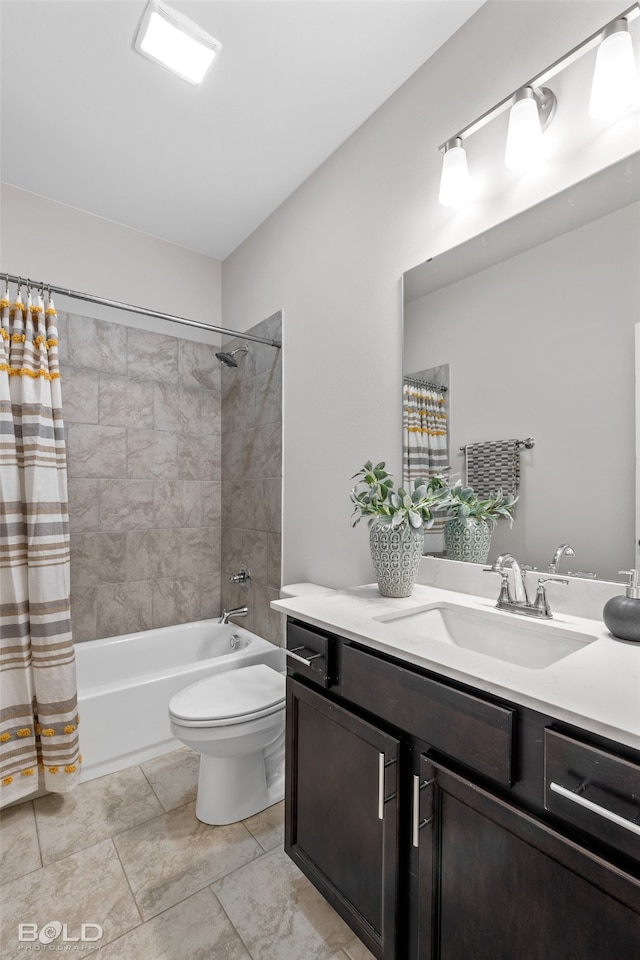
(332, 255)
(252, 478)
(142, 415)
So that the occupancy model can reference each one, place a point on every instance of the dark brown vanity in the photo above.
(444, 823)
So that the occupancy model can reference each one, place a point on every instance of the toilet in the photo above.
(236, 722)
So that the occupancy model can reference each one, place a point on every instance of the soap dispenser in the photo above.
(622, 614)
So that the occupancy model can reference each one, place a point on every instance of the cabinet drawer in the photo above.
(315, 648)
(594, 790)
(469, 729)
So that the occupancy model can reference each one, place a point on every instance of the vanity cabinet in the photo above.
(342, 812)
(497, 884)
(424, 811)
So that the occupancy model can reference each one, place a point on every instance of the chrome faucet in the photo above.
(520, 603)
(507, 562)
(564, 550)
(237, 612)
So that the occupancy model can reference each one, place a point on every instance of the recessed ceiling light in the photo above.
(176, 42)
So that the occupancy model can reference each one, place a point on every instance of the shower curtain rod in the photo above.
(89, 298)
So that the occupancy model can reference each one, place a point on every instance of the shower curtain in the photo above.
(424, 423)
(38, 705)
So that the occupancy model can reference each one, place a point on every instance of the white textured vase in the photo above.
(396, 558)
(467, 539)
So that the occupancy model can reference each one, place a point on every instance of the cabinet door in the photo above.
(497, 884)
(342, 813)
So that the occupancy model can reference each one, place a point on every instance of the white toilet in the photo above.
(236, 722)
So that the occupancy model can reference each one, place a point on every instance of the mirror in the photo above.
(536, 321)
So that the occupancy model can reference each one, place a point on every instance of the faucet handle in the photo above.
(505, 594)
(541, 603)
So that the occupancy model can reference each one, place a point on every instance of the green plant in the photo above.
(463, 503)
(374, 497)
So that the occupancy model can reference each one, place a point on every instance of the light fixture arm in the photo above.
(537, 82)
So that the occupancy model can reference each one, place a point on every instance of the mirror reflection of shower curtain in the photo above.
(425, 447)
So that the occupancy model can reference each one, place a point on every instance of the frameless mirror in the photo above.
(537, 324)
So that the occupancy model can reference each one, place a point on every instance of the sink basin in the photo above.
(503, 636)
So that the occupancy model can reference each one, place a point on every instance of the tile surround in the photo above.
(252, 478)
(165, 448)
(143, 418)
(150, 900)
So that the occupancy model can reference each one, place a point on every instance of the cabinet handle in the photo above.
(381, 786)
(595, 808)
(296, 656)
(382, 764)
(418, 824)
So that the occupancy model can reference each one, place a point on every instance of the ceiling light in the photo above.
(615, 79)
(171, 39)
(455, 185)
(530, 114)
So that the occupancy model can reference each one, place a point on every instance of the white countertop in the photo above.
(597, 687)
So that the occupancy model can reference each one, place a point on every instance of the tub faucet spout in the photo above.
(237, 612)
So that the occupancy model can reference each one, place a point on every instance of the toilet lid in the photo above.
(235, 694)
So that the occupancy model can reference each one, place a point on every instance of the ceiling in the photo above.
(87, 121)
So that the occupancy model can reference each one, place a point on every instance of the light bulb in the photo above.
(524, 135)
(455, 183)
(615, 88)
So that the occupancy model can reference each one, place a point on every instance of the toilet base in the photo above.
(234, 788)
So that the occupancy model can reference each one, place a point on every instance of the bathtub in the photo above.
(125, 684)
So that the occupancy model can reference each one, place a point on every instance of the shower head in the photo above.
(230, 358)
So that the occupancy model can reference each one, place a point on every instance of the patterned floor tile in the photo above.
(268, 826)
(196, 929)
(19, 850)
(279, 914)
(87, 888)
(173, 856)
(174, 777)
(69, 822)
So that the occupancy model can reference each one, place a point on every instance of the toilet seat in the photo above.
(237, 696)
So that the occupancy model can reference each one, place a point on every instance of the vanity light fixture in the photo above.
(455, 185)
(531, 113)
(177, 43)
(616, 88)
(615, 91)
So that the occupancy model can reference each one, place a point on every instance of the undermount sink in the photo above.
(502, 636)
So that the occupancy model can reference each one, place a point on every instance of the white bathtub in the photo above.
(125, 684)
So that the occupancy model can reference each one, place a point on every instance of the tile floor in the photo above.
(127, 852)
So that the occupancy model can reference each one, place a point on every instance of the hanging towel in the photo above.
(493, 465)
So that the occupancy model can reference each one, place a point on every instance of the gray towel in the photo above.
(492, 466)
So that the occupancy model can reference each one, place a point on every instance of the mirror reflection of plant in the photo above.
(375, 498)
(462, 503)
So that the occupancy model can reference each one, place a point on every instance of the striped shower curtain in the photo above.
(38, 706)
(424, 424)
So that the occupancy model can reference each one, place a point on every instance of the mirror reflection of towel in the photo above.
(493, 465)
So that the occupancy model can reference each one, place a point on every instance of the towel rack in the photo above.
(415, 382)
(528, 444)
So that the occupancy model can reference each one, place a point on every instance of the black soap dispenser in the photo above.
(622, 614)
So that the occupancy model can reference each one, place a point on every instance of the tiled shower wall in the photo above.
(252, 478)
(142, 417)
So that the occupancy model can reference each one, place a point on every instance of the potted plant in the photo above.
(467, 535)
(397, 520)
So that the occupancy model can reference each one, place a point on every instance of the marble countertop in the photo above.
(597, 687)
